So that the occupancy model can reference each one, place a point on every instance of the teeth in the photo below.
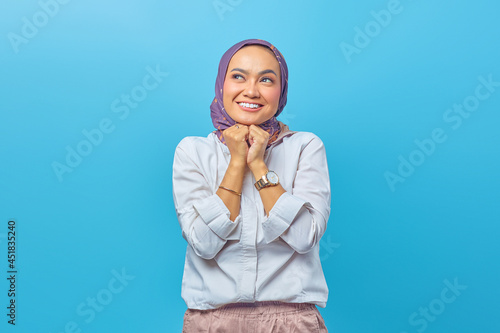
(248, 105)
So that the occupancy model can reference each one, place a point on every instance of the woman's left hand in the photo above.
(257, 139)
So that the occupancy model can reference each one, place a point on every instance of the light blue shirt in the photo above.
(256, 257)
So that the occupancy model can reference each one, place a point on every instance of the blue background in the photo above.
(388, 249)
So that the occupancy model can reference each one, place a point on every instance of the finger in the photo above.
(258, 129)
(258, 135)
(235, 129)
(241, 133)
(241, 127)
(236, 135)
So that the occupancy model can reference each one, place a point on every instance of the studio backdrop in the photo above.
(95, 96)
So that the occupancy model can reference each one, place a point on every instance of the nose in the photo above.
(251, 89)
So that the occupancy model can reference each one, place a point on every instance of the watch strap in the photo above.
(260, 184)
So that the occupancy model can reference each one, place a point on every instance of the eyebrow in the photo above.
(260, 73)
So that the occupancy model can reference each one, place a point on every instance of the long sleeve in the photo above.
(256, 258)
(203, 217)
(300, 216)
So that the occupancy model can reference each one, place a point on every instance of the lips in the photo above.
(248, 106)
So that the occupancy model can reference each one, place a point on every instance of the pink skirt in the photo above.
(260, 317)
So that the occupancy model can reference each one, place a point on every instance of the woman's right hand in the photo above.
(236, 140)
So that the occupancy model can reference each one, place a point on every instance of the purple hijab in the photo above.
(220, 118)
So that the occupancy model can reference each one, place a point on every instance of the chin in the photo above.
(248, 123)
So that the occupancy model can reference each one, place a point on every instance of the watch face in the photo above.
(272, 177)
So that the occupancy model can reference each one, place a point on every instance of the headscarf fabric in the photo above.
(220, 118)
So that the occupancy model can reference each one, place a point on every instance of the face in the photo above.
(252, 85)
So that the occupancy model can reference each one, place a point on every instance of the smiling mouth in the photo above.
(250, 106)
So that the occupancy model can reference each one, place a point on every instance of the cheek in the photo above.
(225, 93)
(273, 96)
(228, 91)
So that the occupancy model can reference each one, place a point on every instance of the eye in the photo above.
(237, 76)
(267, 80)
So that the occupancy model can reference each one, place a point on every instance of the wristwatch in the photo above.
(269, 179)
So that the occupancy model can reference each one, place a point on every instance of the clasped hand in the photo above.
(247, 144)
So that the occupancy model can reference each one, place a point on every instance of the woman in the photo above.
(253, 200)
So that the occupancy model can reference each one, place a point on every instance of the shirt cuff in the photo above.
(215, 214)
(281, 216)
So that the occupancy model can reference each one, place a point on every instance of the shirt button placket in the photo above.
(248, 240)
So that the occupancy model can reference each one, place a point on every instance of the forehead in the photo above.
(254, 56)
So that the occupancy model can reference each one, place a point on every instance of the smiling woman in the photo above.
(253, 201)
